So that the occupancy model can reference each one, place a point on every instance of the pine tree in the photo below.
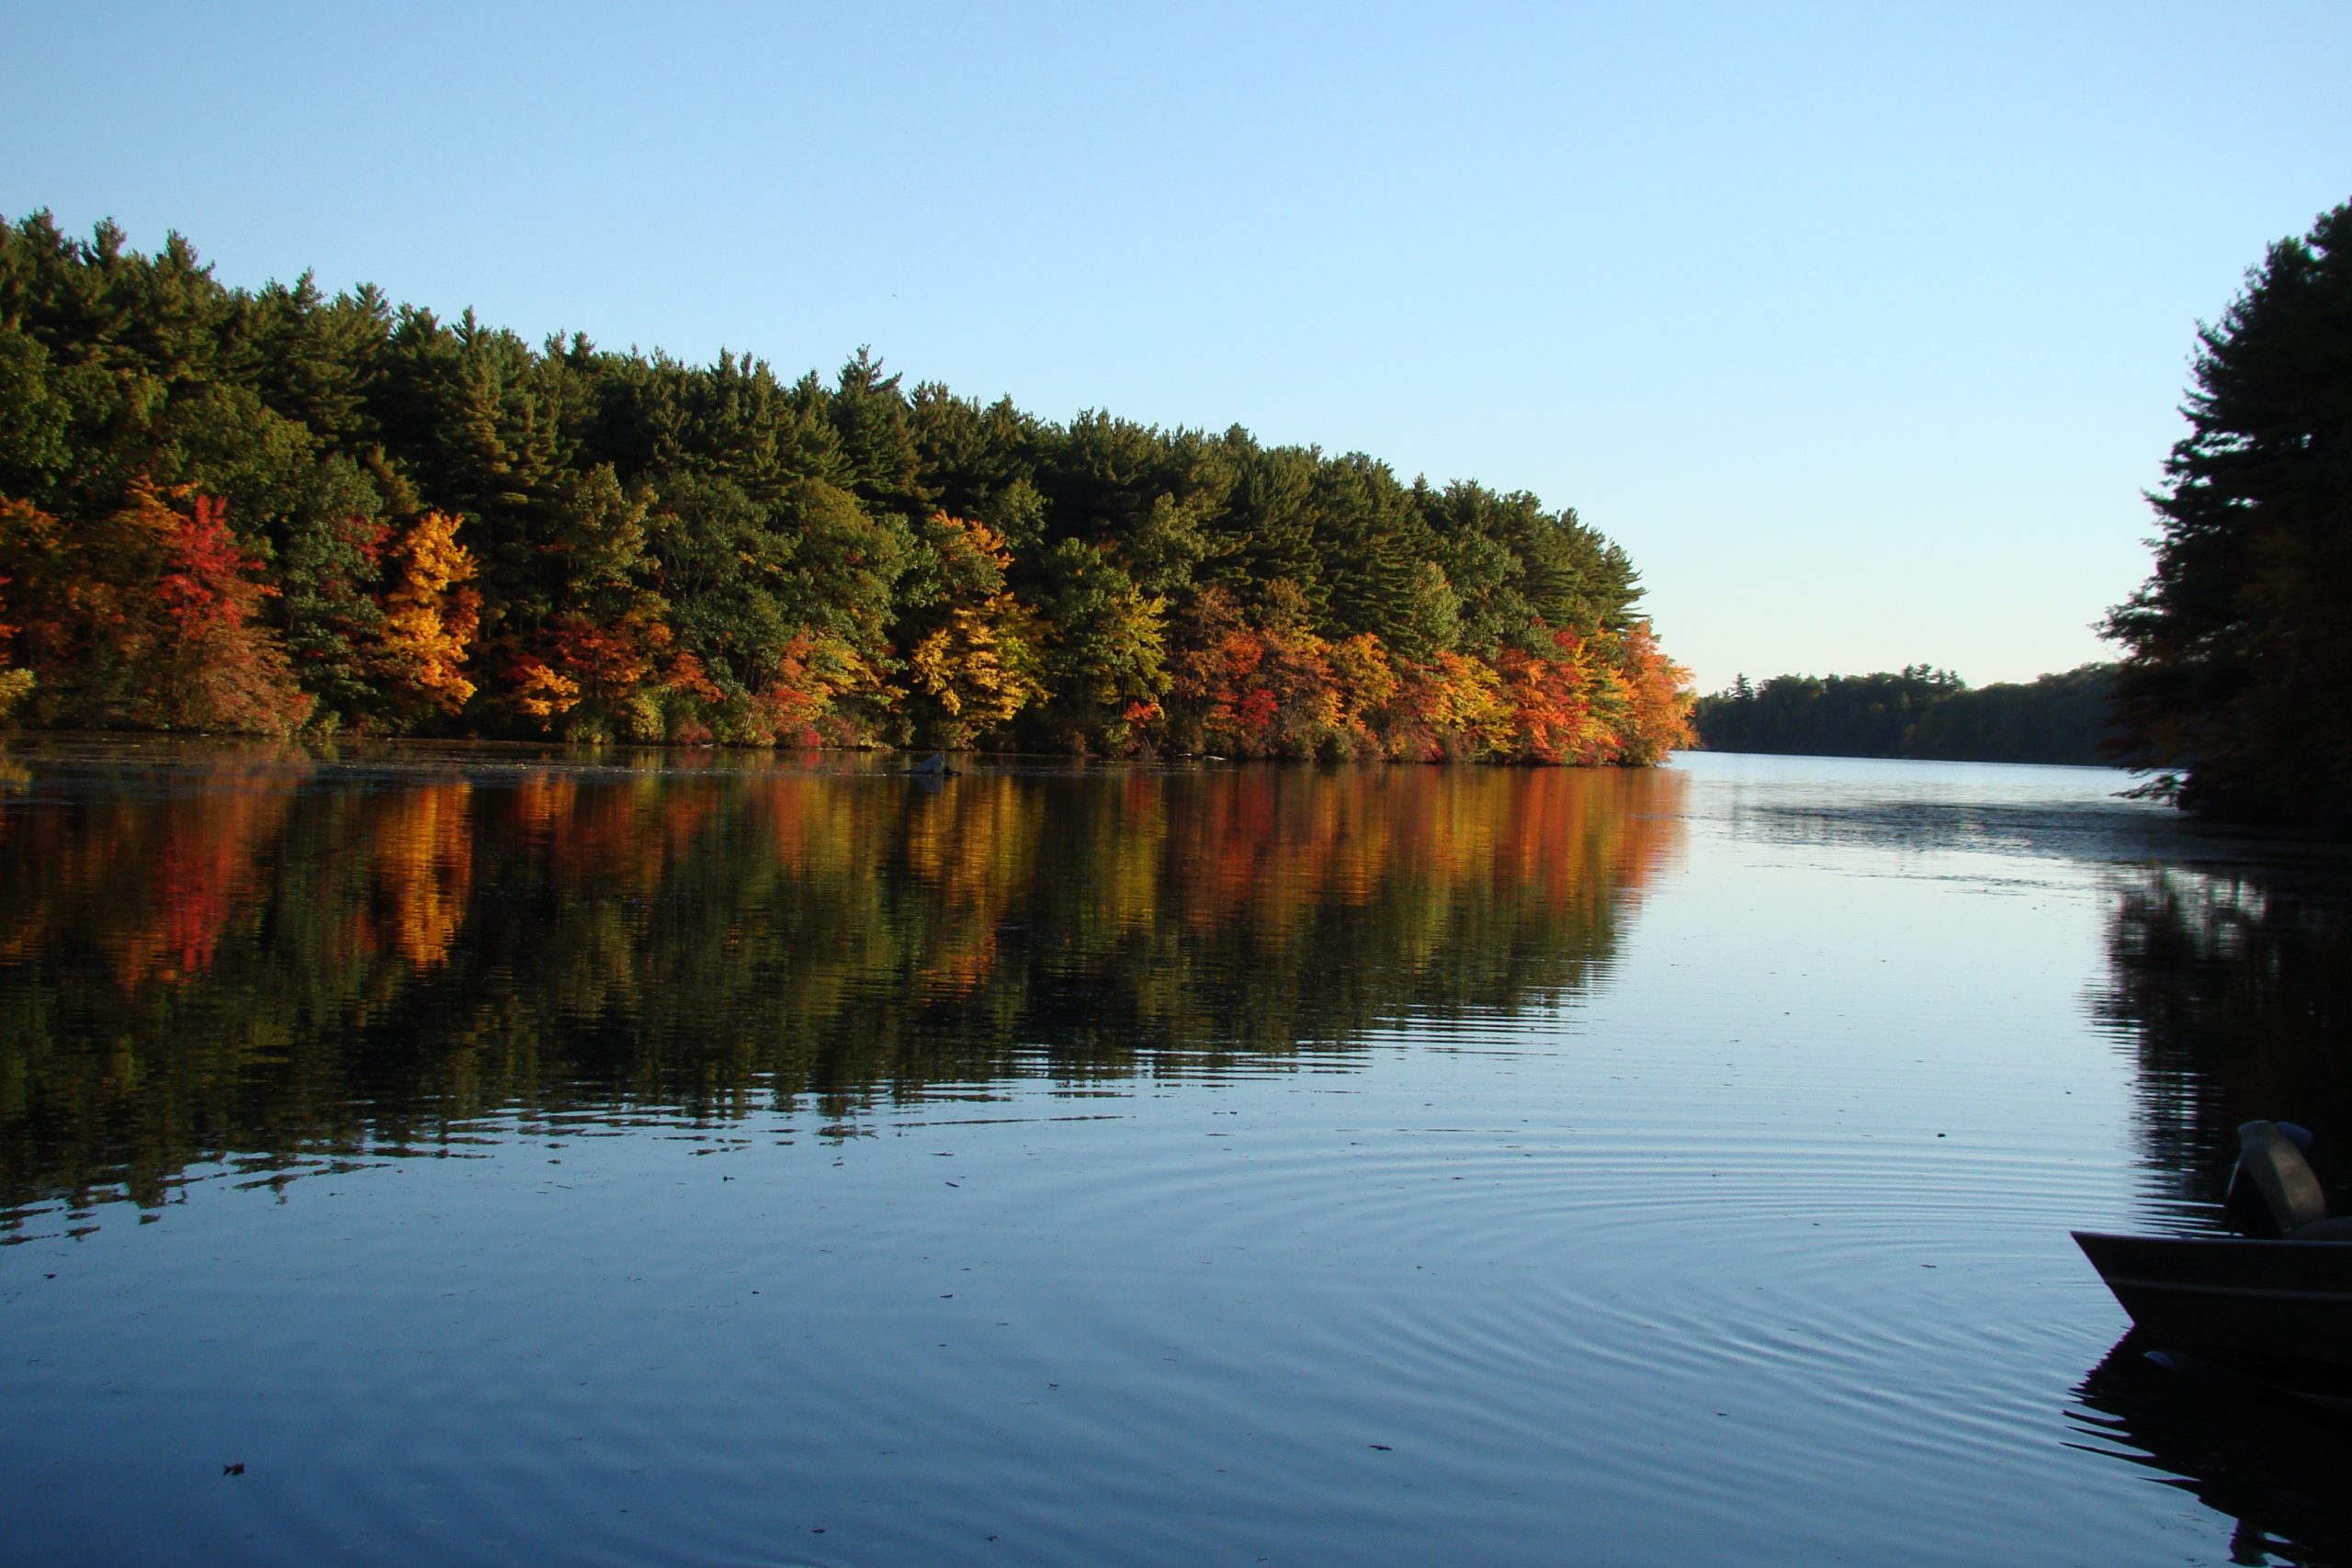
(2237, 681)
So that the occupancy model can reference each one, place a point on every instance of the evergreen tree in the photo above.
(2236, 681)
(870, 416)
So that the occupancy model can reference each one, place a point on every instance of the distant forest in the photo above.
(273, 512)
(1915, 712)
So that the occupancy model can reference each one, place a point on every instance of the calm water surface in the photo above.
(509, 1159)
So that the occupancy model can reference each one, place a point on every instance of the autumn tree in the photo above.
(215, 665)
(1563, 702)
(429, 616)
(972, 649)
(146, 617)
(1657, 698)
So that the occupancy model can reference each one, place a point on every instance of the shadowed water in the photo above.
(513, 1159)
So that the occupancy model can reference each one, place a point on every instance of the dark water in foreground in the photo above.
(788, 1163)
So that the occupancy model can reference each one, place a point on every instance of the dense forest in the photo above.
(272, 511)
(2235, 688)
(1915, 712)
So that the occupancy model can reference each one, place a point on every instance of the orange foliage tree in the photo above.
(1562, 701)
(1657, 696)
(430, 617)
(794, 704)
(1273, 687)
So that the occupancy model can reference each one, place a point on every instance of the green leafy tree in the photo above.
(1841, 715)
(723, 564)
(1106, 652)
(970, 456)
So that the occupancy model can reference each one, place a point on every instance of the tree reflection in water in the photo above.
(2234, 991)
(260, 955)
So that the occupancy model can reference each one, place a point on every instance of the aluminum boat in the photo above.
(2279, 1290)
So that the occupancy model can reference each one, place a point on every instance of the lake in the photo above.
(509, 1157)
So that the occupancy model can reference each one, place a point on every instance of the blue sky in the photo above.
(1862, 328)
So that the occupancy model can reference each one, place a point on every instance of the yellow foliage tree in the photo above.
(978, 667)
(976, 663)
(430, 614)
(541, 693)
(1465, 701)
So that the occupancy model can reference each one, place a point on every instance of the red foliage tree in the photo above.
(148, 617)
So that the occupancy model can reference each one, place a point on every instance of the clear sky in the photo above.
(1862, 327)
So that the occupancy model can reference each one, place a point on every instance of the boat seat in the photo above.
(2273, 1192)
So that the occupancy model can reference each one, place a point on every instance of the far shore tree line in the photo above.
(276, 513)
(1919, 711)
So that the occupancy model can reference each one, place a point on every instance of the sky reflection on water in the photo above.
(756, 1163)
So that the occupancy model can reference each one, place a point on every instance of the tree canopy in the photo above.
(273, 511)
(2235, 688)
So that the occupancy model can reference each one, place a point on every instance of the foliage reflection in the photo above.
(270, 957)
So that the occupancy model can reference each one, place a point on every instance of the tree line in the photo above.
(1919, 711)
(273, 512)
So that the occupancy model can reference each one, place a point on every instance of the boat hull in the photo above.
(2276, 1300)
